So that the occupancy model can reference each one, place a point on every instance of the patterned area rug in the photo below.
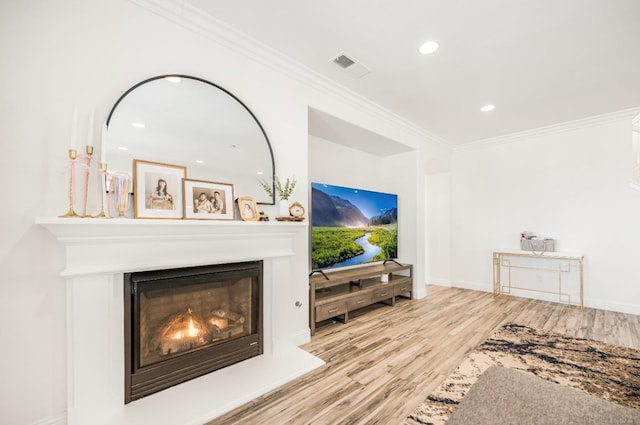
(606, 371)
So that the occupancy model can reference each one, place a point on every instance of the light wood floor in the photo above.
(382, 364)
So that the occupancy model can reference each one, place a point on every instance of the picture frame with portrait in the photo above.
(158, 189)
(207, 200)
(248, 208)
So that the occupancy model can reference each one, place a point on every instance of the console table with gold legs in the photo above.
(562, 263)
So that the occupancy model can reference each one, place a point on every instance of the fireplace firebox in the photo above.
(183, 323)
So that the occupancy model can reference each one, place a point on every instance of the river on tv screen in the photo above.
(351, 226)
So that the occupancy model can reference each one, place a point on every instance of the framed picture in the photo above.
(248, 209)
(207, 200)
(157, 189)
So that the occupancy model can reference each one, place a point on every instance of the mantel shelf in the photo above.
(120, 245)
(159, 228)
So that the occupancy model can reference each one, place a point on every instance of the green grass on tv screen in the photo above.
(333, 245)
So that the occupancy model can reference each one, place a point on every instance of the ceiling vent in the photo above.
(350, 65)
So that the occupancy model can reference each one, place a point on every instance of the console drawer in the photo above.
(333, 309)
(361, 300)
(402, 288)
(383, 294)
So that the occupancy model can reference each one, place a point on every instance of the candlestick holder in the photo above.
(103, 187)
(72, 180)
(85, 180)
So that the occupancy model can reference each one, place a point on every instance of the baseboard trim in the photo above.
(475, 286)
(596, 303)
(439, 281)
(301, 337)
(60, 419)
(613, 306)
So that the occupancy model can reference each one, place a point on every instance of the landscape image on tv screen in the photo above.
(352, 226)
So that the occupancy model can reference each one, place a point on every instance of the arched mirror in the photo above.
(183, 120)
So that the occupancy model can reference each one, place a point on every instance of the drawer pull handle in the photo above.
(333, 310)
(384, 294)
(359, 301)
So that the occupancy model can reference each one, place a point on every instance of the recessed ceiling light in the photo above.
(487, 108)
(199, 161)
(173, 79)
(260, 173)
(122, 148)
(429, 47)
(137, 124)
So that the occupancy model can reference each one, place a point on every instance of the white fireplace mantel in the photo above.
(120, 245)
(100, 251)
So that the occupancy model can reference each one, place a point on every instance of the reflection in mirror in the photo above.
(183, 120)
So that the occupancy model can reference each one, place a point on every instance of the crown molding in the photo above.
(184, 14)
(625, 114)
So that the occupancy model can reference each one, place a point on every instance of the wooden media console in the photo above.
(337, 293)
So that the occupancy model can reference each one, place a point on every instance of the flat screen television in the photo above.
(352, 226)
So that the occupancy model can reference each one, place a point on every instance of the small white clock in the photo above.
(296, 210)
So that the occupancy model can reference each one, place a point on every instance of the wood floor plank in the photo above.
(386, 360)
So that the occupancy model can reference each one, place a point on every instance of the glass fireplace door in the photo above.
(182, 322)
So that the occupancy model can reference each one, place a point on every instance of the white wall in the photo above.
(71, 52)
(570, 183)
(333, 163)
(438, 227)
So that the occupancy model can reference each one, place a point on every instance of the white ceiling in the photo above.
(541, 62)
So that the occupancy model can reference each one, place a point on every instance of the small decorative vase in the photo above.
(119, 184)
(283, 208)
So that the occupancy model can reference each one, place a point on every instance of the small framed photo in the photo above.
(157, 189)
(207, 200)
(248, 209)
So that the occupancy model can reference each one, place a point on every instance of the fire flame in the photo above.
(191, 331)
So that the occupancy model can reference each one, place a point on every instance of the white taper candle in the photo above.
(90, 131)
(103, 144)
(74, 129)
